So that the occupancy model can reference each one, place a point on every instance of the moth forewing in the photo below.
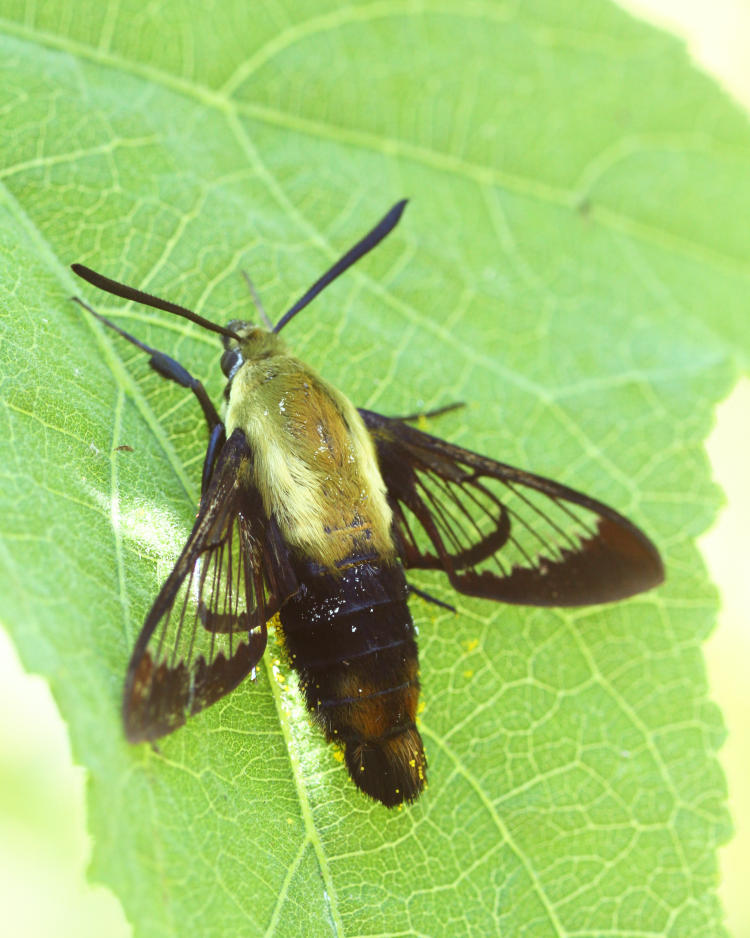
(206, 629)
(505, 534)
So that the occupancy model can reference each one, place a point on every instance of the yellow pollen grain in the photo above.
(276, 623)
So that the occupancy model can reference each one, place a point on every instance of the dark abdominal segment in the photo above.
(351, 638)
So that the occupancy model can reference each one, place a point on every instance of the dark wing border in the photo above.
(609, 559)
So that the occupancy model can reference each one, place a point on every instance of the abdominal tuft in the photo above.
(391, 770)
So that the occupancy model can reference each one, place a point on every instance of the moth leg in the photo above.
(217, 438)
(428, 598)
(431, 413)
(167, 367)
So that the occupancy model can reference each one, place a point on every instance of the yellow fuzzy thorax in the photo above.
(314, 462)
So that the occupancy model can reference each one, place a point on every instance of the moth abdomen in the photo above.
(351, 638)
(368, 705)
(334, 617)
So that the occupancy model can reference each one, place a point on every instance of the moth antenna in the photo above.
(130, 293)
(257, 301)
(386, 224)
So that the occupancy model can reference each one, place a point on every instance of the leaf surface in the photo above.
(573, 265)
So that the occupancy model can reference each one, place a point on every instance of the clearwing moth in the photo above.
(314, 510)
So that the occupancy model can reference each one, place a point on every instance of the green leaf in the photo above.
(573, 264)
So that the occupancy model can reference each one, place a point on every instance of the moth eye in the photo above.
(231, 361)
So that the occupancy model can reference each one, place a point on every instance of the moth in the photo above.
(314, 511)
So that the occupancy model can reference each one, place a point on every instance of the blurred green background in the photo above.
(44, 845)
(718, 36)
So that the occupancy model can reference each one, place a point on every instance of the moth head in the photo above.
(245, 341)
